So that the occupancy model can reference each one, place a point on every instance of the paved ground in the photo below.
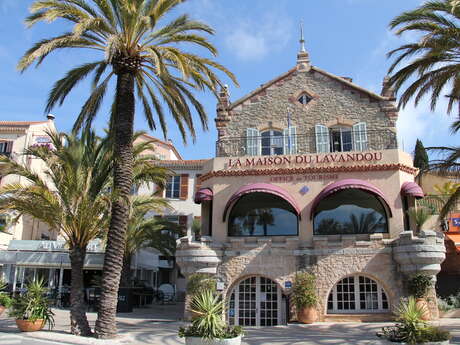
(158, 326)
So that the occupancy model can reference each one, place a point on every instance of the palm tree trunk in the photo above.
(123, 119)
(78, 322)
(126, 271)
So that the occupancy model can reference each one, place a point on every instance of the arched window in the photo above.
(272, 143)
(350, 211)
(357, 294)
(262, 214)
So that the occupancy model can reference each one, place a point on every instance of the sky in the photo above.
(256, 39)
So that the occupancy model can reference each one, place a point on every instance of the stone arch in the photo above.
(238, 280)
(386, 289)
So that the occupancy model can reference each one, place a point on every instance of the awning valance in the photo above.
(203, 194)
(261, 188)
(412, 189)
(348, 184)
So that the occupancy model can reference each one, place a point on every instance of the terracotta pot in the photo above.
(423, 305)
(30, 326)
(307, 315)
(2, 309)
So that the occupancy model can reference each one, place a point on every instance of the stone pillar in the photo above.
(423, 254)
(201, 256)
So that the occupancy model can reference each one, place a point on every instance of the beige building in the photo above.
(15, 137)
(308, 176)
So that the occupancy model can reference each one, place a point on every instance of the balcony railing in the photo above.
(6, 154)
(306, 143)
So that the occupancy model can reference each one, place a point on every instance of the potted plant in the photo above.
(208, 326)
(304, 297)
(197, 283)
(412, 329)
(5, 299)
(32, 309)
(418, 286)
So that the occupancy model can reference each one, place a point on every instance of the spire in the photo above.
(302, 41)
(303, 60)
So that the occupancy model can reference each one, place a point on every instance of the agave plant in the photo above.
(209, 309)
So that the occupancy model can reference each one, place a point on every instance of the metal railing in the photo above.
(307, 143)
(435, 203)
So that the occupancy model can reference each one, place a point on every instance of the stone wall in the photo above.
(332, 102)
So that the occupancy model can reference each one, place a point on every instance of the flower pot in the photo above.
(202, 341)
(423, 305)
(30, 326)
(387, 342)
(2, 309)
(307, 315)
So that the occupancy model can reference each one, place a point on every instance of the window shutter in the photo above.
(159, 191)
(252, 142)
(322, 139)
(290, 141)
(183, 186)
(360, 137)
(9, 146)
(197, 182)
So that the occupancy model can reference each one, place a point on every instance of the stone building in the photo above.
(308, 176)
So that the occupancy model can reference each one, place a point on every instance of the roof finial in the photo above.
(302, 41)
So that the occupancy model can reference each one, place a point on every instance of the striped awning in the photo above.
(412, 189)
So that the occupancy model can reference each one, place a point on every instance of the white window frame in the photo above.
(253, 142)
(3, 145)
(290, 140)
(276, 141)
(322, 139)
(357, 310)
(172, 182)
(359, 137)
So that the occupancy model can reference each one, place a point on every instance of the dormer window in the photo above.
(304, 99)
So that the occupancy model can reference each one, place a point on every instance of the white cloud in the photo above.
(419, 122)
(249, 41)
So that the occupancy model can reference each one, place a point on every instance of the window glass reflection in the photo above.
(351, 211)
(262, 214)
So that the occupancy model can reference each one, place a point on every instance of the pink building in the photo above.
(308, 176)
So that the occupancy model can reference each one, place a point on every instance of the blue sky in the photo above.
(256, 39)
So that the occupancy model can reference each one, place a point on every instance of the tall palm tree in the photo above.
(73, 196)
(144, 52)
(70, 197)
(433, 59)
(145, 231)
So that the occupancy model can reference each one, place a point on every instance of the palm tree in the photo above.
(145, 231)
(365, 223)
(70, 198)
(433, 60)
(148, 61)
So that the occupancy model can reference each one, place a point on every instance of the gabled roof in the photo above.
(190, 164)
(342, 80)
(170, 145)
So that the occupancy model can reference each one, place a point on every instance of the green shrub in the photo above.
(199, 282)
(304, 290)
(410, 328)
(419, 285)
(5, 300)
(208, 323)
(33, 305)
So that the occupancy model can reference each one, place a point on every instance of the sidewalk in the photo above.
(158, 325)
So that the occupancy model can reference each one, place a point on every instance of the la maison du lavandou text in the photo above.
(267, 161)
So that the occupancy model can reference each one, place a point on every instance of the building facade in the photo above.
(308, 176)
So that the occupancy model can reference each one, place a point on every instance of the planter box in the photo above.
(29, 326)
(201, 341)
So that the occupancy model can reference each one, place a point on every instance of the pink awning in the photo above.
(346, 184)
(203, 194)
(412, 189)
(262, 188)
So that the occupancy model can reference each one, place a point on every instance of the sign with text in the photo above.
(302, 160)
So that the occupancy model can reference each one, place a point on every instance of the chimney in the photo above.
(50, 117)
(387, 89)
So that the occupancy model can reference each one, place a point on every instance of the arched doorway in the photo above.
(357, 294)
(255, 301)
